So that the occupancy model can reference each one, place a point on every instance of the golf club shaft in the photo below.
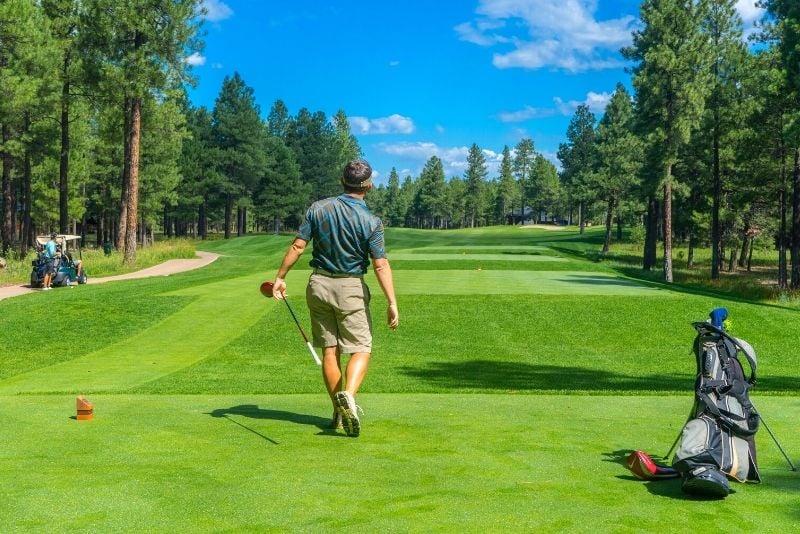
(777, 443)
(303, 333)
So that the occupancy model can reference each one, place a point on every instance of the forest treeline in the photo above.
(99, 138)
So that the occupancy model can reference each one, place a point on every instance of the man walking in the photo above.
(345, 235)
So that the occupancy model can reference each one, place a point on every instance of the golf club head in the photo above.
(266, 289)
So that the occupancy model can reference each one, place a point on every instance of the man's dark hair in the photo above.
(356, 177)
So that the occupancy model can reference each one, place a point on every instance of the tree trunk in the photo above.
(581, 223)
(747, 238)
(126, 171)
(202, 222)
(651, 234)
(715, 207)
(131, 221)
(795, 250)
(668, 225)
(7, 228)
(692, 244)
(63, 170)
(26, 237)
(609, 223)
(732, 261)
(783, 278)
(228, 215)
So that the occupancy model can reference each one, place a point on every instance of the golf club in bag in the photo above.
(718, 440)
(267, 291)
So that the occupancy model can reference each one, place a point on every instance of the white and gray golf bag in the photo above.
(718, 440)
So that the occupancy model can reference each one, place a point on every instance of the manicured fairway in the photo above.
(453, 463)
(520, 376)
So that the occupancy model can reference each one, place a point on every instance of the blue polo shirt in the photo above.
(344, 234)
(50, 249)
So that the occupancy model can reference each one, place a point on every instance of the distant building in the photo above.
(526, 218)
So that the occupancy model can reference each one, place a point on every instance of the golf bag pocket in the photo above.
(704, 443)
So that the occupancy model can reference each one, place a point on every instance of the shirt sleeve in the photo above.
(304, 232)
(376, 245)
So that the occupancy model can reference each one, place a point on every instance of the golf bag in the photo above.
(718, 440)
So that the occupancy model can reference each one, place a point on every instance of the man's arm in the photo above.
(383, 272)
(292, 255)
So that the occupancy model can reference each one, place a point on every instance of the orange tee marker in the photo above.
(85, 408)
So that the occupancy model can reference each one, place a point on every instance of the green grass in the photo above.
(505, 400)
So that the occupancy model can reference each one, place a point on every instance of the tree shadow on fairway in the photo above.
(254, 412)
(600, 281)
(516, 376)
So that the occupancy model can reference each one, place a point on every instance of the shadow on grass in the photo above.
(254, 412)
(599, 280)
(668, 487)
(489, 374)
(515, 376)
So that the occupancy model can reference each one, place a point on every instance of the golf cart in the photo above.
(65, 267)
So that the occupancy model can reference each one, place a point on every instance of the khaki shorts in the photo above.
(340, 313)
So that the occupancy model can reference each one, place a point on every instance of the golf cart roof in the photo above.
(60, 238)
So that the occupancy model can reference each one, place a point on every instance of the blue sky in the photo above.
(422, 78)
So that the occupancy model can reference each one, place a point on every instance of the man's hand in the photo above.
(392, 316)
(279, 289)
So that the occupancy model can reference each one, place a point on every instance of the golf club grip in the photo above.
(313, 352)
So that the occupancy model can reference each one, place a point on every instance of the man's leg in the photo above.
(356, 371)
(332, 370)
(345, 400)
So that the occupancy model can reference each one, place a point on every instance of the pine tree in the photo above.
(787, 29)
(619, 155)
(136, 48)
(672, 79)
(524, 155)
(395, 205)
(27, 67)
(239, 134)
(475, 178)
(577, 158)
(507, 192)
(430, 201)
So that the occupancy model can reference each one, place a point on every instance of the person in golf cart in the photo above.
(345, 236)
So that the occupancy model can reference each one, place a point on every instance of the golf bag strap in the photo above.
(726, 419)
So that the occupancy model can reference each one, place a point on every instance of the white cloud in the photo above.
(196, 60)
(216, 10)
(749, 11)
(751, 14)
(454, 159)
(393, 124)
(561, 34)
(394, 63)
(527, 113)
(597, 103)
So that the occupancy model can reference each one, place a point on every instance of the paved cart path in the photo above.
(163, 269)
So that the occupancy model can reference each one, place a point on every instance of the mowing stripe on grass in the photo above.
(457, 282)
(220, 314)
(486, 257)
(509, 248)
